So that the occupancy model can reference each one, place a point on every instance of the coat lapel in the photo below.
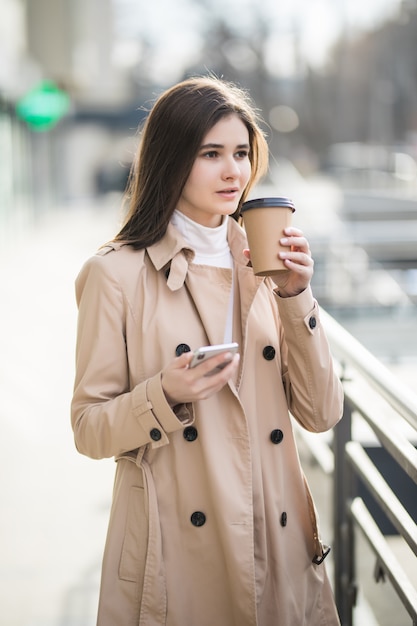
(247, 287)
(210, 289)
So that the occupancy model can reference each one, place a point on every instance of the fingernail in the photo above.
(284, 240)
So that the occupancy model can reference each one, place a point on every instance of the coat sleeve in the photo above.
(314, 391)
(108, 418)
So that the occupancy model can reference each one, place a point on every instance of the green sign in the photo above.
(43, 106)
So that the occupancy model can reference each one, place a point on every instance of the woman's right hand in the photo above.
(182, 384)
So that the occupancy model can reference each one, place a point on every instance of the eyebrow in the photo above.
(219, 145)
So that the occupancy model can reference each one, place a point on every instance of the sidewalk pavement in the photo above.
(54, 502)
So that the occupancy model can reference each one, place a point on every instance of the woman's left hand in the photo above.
(297, 259)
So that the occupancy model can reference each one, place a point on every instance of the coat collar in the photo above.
(173, 252)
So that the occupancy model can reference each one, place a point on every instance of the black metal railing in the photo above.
(375, 396)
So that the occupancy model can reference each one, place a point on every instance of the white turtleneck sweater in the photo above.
(211, 248)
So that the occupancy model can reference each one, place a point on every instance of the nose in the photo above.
(231, 169)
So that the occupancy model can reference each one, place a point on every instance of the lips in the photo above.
(228, 192)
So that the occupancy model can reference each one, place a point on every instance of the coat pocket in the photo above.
(135, 542)
(320, 549)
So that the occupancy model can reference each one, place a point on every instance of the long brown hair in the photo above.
(172, 135)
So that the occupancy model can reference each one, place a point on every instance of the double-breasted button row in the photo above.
(191, 433)
(268, 352)
(198, 519)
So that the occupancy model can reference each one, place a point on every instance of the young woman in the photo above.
(212, 522)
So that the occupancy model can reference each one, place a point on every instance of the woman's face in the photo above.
(219, 175)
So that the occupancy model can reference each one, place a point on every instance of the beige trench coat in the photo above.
(212, 523)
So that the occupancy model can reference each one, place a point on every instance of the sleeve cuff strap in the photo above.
(149, 401)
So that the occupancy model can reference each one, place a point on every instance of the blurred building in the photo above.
(70, 43)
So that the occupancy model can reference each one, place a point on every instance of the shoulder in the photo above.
(113, 257)
(112, 266)
(117, 252)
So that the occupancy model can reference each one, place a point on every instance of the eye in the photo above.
(210, 154)
(242, 154)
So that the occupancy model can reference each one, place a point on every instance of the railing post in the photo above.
(344, 548)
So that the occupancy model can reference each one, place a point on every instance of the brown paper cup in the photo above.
(264, 220)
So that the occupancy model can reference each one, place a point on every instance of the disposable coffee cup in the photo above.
(264, 220)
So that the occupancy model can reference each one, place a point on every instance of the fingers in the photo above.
(295, 241)
(302, 259)
(212, 380)
(183, 360)
(212, 364)
(184, 384)
(292, 231)
(297, 258)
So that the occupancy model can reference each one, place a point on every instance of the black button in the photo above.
(312, 322)
(198, 518)
(181, 348)
(284, 519)
(190, 433)
(269, 353)
(277, 436)
(155, 434)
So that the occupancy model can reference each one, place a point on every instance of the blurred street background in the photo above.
(335, 81)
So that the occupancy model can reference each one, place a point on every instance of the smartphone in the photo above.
(206, 352)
